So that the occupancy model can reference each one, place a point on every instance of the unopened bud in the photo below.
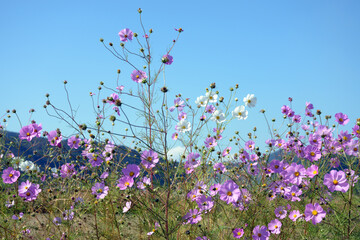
(110, 44)
(101, 40)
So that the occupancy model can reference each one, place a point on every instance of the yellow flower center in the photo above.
(295, 216)
(127, 184)
(259, 234)
(314, 212)
(131, 174)
(250, 146)
(293, 194)
(276, 226)
(335, 182)
(297, 174)
(137, 76)
(229, 193)
(10, 175)
(27, 134)
(149, 159)
(276, 166)
(315, 172)
(312, 154)
(27, 194)
(239, 233)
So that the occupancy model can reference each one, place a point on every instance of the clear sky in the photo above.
(308, 50)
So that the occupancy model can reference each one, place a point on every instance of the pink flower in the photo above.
(275, 226)
(131, 170)
(125, 35)
(336, 181)
(314, 212)
(280, 212)
(10, 175)
(100, 190)
(341, 118)
(219, 168)
(27, 132)
(149, 159)
(67, 170)
(193, 216)
(167, 59)
(125, 182)
(312, 171)
(229, 192)
(261, 233)
(294, 215)
(238, 232)
(73, 142)
(54, 138)
(138, 76)
(210, 142)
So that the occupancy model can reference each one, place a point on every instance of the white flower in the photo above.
(27, 166)
(240, 113)
(16, 162)
(183, 126)
(211, 96)
(202, 101)
(127, 207)
(218, 116)
(250, 100)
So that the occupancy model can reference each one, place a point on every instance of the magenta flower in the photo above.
(314, 213)
(280, 212)
(131, 170)
(54, 138)
(94, 159)
(214, 189)
(179, 104)
(210, 142)
(312, 153)
(336, 181)
(192, 158)
(29, 190)
(275, 226)
(294, 215)
(167, 59)
(125, 182)
(226, 151)
(295, 173)
(37, 129)
(100, 190)
(261, 233)
(138, 76)
(125, 35)
(204, 203)
(149, 159)
(175, 136)
(193, 216)
(229, 192)
(27, 132)
(10, 175)
(73, 142)
(312, 171)
(250, 145)
(67, 170)
(219, 168)
(341, 118)
(238, 232)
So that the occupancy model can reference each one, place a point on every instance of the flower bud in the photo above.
(110, 44)
(212, 85)
(101, 40)
(140, 10)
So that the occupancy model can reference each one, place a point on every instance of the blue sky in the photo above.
(308, 50)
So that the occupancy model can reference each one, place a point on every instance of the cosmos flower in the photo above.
(314, 212)
(125, 35)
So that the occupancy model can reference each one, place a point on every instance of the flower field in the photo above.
(118, 179)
